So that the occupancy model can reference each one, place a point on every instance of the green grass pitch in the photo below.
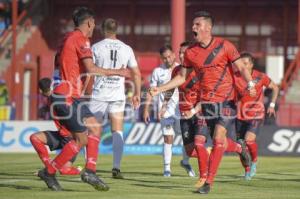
(277, 177)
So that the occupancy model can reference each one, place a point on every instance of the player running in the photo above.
(195, 133)
(108, 95)
(251, 110)
(211, 58)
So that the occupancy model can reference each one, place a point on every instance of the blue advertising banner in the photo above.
(142, 139)
(139, 138)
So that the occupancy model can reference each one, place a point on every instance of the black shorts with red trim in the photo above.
(56, 142)
(243, 126)
(192, 127)
(70, 116)
(223, 113)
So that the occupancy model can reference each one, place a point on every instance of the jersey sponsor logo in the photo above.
(285, 140)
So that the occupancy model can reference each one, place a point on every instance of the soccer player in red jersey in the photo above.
(195, 132)
(251, 110)
(75, 61)
(53, 139)
(212, 58)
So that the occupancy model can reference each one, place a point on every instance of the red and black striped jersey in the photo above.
(213, 66)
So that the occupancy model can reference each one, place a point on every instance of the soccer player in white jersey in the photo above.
(108, 94)
(169, 118)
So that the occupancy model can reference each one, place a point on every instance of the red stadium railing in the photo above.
(291, 73)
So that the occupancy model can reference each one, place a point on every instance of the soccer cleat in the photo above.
(70, 170)
(91, 178)
(188, 168)
(49, 179)
(253, 169)
(116, 173)
(247, 176)
(200, 183)
(205, 189)
(167, 173)
(245, 157)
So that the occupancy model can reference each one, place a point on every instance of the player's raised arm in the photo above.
(246, 75)
(175, 82)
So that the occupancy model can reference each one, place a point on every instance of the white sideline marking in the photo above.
(12, 180)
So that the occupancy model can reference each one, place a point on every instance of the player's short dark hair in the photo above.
(206, 15)
(109, 25)
(80, 14)
(163, 49)
(185, 43)
(45, 84)
(248, 55)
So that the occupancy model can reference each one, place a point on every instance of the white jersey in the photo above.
(111, 54)
(162, 75)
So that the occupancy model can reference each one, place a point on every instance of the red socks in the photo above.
(252, 147)
(92, 152)
(233, 146)
(67, 153)
(215, 159)
(202, 156)
(41, 149)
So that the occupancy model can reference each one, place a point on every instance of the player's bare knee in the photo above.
(168, 139)
(39, 136)
(81, 139)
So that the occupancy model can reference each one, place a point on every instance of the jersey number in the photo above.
(113, 57)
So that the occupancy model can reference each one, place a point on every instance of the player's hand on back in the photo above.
(124, 72)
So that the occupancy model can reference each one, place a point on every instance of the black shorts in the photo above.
(55, 141)
(192, 127)
(223, 113)
(70, 116)
(243, 126)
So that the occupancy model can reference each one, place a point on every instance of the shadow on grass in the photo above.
(159, 186)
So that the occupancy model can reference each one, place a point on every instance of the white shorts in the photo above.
(100, 108)
(170, 126)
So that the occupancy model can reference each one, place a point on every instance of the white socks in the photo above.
(167, 155)
(118, 144)
(185, 157)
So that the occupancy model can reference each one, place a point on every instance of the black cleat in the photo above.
(205, 189)
(116, 173)
(49, 179)
(245, 157)
(91, 178)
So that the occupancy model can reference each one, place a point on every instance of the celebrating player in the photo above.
(251, 110)
(211, 58)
